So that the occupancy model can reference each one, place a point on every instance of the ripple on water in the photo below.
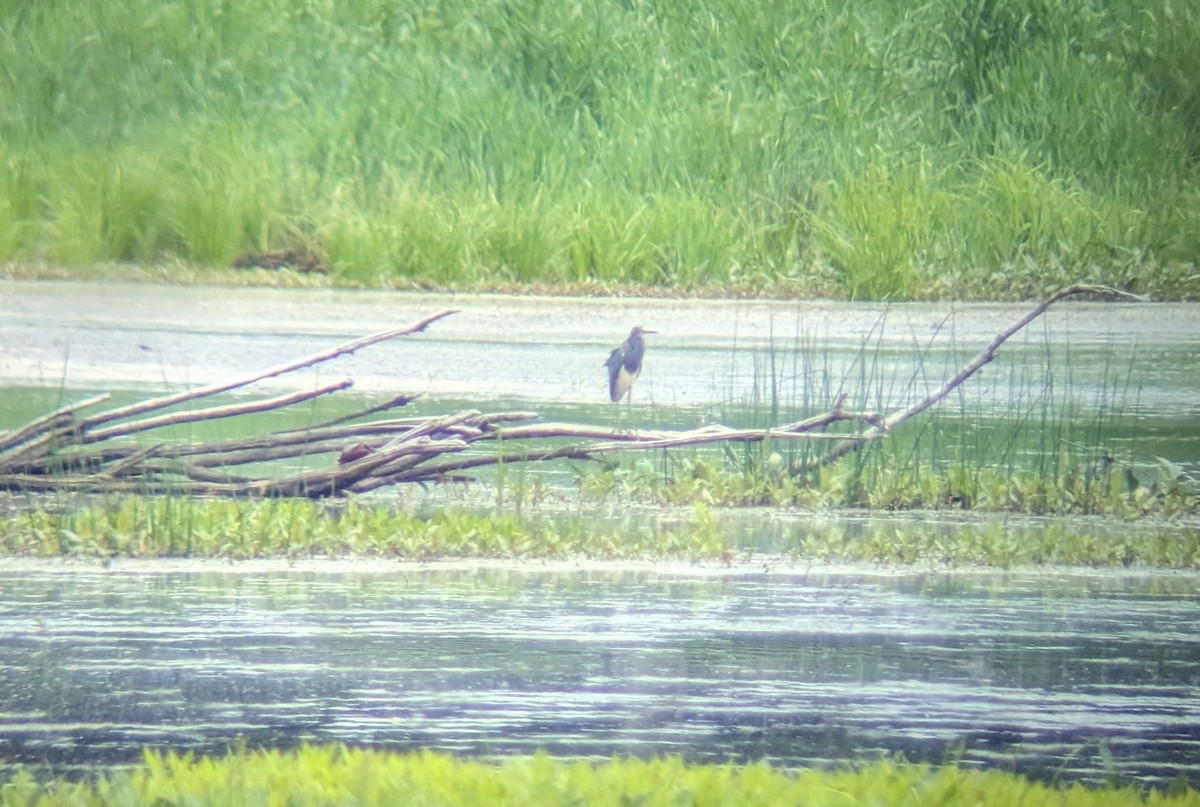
(1031, 671)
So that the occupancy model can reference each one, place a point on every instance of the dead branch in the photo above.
(278, 370)
(47, 422)
(213, 413)
(61, 451)
(988, 354)
(44, 444)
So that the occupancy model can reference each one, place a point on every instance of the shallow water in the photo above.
(1075, 675)
(550, 351)
(1042, 672)
(1123, 380)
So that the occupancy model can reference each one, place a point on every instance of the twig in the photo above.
(49, 421)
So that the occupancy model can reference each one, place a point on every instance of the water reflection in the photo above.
(1034, 671)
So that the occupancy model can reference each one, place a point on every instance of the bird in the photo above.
(625, 362)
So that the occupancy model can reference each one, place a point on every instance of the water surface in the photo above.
(1048, 673)
(1064, 675)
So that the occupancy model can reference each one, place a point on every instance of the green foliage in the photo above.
(881, 483)
(337, 775)
(141, 527)
(986, 148)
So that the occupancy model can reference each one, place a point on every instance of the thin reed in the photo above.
(1051, 429)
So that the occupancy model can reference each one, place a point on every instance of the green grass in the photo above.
(143, 527)
(885, 481)
(336, 775)
(985, 149)
(140, 527)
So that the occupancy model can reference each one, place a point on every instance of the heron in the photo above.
(625, 362)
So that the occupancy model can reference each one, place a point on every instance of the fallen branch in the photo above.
(282, 369)
(213, 413)
(985, 357)
(62, 451)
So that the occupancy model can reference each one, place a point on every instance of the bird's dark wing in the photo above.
(615, 360)
(616, 357)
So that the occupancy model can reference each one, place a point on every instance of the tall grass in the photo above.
(986, 148)
(1055, 428)
(339, 775)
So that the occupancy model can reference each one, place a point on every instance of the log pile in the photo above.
(69, 449)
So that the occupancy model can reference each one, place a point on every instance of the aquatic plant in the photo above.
(1045, 449)
(1113, 490)
(160, 527)
(336, 774)
(166, 527)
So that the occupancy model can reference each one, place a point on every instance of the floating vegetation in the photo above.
(165, 527)
(335, 774)
(139, 527)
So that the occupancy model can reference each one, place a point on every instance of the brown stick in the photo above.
(280, 369)
(47, 422)
(214, 412)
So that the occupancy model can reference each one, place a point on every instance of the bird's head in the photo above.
(638, 330)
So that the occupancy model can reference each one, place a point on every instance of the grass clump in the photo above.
(140, 527)
(332, 775)
(886, 483)
(881, 150)
(166, 527)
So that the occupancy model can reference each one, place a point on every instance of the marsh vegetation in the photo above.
(340, 775)
(840, 454)
(982, 150)
(978, 150)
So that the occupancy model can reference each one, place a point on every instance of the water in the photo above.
(1093, 379)
(1059, 675)
(1062, 675)
(550, 351)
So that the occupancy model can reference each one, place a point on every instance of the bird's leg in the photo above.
(620, 418)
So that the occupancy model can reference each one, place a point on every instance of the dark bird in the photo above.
(625, 362)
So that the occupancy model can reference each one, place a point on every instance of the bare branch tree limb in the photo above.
(214, 412)
(48, 422)
(280, 369)
(969, 369)
(57, 452)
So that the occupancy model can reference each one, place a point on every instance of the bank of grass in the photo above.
(337, 775)
(974, 149)
(164, 527)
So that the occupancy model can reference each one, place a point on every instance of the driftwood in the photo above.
(65, 450)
